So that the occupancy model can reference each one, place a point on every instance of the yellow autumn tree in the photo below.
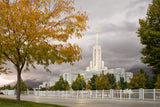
(157, 84)
(37, 31)
(88, 86)
(118, 87)
(138, 81)
(102, 82)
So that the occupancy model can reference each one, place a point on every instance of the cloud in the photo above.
(4, 80)
(118, 24)
(113, 28)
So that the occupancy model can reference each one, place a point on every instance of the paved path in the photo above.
(74, 102)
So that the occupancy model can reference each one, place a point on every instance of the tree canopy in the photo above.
(5, 87)
(149, 33)
(118, 87)
(157, 84)
(112, 80)
(149, 81)
(102, 82)
(138, 81)
(37, 32)
(61, 84)
(122, 83)
(79, 83)
(92, 82)
(88, 86)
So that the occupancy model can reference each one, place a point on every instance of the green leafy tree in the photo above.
(122, 83)
(112, 80)
(36, 32)
(5, 87)
(79, 83)
(92, 82)
(149, 33)
(61, 84)
(149, 81)
(102, 83)
(8, 87)
(157, 84)
(138, 81)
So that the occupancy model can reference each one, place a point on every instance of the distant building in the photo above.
(49, 83)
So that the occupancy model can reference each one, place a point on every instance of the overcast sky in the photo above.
(117, 21)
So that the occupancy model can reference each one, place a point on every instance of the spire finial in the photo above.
(96, 36)
(96, 31)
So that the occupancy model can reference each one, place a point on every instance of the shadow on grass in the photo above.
(4, 102)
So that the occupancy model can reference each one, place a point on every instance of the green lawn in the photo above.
(12, 103)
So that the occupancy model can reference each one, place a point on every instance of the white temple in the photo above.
(96, 64)
(96, 67)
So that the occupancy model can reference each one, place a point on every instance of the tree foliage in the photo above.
(138, 81)
(5, 87)
(122, 83)
(118, 87)
(92, 82)
(149, 81)
(88, 86)
(61, 84)
(79, 83)
(52, 88)
(37, 31)
(149, 33)
(102, 83)
(112, 80)
(157, 84)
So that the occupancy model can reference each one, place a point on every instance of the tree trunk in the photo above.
(18, 85)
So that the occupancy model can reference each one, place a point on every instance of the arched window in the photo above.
(66, 77)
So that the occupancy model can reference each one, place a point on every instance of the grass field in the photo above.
(12, 103)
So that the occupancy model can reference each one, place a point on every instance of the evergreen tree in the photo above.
(79, 83)
(149, 33)
(122, 83)
(92, 82)
(112, 80)
(149, 81)
(102, 83)
(61, 84)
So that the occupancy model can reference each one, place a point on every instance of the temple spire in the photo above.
(96, 36)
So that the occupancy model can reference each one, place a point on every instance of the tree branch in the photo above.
(22, 65)
(9, 58)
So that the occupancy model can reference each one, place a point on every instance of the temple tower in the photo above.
(96, 63)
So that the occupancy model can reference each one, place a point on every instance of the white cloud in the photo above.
(5, 80)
